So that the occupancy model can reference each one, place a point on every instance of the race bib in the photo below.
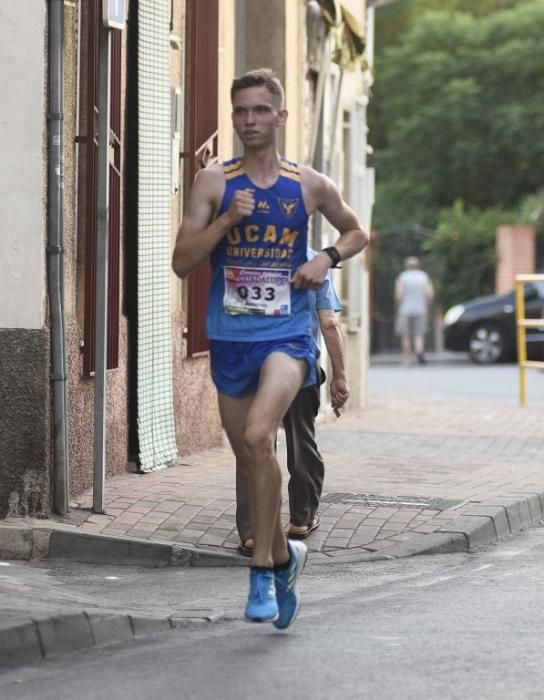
(256, 290)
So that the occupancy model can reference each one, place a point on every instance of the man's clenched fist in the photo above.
(242, 204)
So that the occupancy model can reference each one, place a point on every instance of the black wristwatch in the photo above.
(333, 254)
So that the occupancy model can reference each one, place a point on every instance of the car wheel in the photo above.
(488, 344)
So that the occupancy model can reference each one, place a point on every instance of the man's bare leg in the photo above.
(280, 379)
(419, 344)
(251, 424)
(234, 414)
(406, 349)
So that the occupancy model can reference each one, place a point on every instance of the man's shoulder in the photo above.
(413, 274)
(310, 176)
(210, 181)
(316, 187)
(211, 173)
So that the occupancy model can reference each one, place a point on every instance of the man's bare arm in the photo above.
(398, 292)
(199, 234)
(322, 194)
(330, 328)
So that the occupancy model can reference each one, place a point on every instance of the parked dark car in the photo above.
(486, 327)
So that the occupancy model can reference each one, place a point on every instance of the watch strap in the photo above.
(333, 254)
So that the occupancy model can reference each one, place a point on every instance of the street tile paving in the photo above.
(428, 448)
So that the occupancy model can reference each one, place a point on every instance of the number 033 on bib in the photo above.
(257, 290)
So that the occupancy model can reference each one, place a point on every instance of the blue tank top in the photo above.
(250, 297)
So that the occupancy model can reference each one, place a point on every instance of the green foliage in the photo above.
(458, 112)
(531, 212)
(395, 19)
(399, 200)
(462, 252)
(456, 119)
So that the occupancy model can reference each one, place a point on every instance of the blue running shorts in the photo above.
(236, 366)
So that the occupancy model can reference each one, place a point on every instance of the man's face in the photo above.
(256, 116)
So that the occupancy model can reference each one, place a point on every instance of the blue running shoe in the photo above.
(261, 603)
(287, 593)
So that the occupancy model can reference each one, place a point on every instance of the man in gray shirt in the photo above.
(414, 294)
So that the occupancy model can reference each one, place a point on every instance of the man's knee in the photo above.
(259, 440)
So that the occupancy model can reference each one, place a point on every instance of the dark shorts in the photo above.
(236, 366)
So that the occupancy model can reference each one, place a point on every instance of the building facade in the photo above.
(169, 115)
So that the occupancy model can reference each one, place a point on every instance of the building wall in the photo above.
(196, 414)
(24, 337)
(81, 388)
(295, 78)
(345, 163)
(516, 255)
(24, 423)
(227, 71)
(22, 183)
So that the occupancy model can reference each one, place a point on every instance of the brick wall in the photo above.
(515, 255)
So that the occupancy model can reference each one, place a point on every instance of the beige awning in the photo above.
(347, 32)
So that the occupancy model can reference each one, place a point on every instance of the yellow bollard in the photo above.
(522, 345)
(522, 324)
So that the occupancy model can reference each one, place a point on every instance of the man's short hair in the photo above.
(258, 78)
(411, 262)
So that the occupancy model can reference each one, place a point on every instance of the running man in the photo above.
(250, 216)
(304, 461)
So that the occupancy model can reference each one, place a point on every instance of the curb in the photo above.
(33, 639)
(106, 549)
(44, 542)
(481, 524)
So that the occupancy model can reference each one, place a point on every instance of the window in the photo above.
(89, 140)
(201, 142)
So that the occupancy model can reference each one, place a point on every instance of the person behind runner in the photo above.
(304, 461)
(250, 216)
(414, 294)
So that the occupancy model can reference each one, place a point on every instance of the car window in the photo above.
(534, 290)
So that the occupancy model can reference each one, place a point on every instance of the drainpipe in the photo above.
(55, 254)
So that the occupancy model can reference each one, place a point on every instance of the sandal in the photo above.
(305, 533)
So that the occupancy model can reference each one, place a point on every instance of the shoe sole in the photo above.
(300, 568)
(261, 619)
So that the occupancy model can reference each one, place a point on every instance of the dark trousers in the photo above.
(304, 462)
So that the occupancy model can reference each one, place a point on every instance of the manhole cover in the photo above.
(366, 499)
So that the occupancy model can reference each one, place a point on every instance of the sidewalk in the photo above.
(402, 477)
(405, 476)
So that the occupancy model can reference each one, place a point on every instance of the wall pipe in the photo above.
(55, 253)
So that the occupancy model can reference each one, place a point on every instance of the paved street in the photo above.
(454, 626)
(432, 440)
(414, 465)
(151, 215)
(452, 375)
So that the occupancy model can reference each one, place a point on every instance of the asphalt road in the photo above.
(458, 378)
(449, 626)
